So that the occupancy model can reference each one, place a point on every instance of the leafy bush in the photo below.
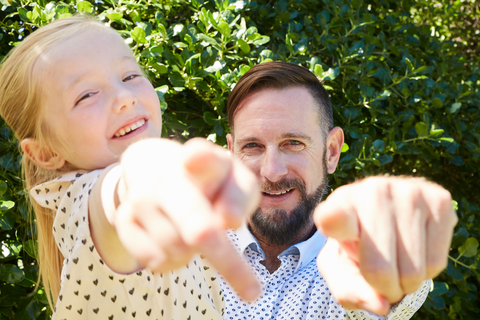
(403, 82)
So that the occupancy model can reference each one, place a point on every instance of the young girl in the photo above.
(116, 240)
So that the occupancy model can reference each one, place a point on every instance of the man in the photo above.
(387, 235)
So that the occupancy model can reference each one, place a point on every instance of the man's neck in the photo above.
(271, 262)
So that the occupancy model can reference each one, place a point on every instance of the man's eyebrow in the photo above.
(247, 140)
(292, 135)
(288, 135)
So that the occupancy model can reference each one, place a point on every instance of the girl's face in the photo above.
(97, 102)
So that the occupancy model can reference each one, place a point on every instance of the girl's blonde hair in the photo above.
(21, 106)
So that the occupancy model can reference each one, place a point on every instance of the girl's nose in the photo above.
(124, 99)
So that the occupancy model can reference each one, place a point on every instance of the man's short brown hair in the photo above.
(281, 75)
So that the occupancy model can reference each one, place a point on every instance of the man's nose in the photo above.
(274, 166)
(124, 98)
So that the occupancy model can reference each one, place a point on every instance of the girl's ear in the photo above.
(41, 155)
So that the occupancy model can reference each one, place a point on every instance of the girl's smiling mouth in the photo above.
(130, 128)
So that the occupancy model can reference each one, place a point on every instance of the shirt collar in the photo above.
(308, 249)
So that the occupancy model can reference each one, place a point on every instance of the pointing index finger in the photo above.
(223, 256)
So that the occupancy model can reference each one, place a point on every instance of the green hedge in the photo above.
(403, 77)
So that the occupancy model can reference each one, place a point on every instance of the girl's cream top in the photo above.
(90, 290)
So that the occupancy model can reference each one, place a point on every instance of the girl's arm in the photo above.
(103, 203)
(166, 202)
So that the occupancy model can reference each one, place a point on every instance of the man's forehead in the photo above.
(290, 111)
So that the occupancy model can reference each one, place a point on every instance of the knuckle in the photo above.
(434, 269)
(411, 283)
(379, 276)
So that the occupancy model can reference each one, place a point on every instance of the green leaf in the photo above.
(138, 35)
(210, 118)
(378, 145)
(7, 220)
(455, 107)
(345, 147)
(84, 6)
(176, 79)
(439, 288)
(453, 272)
(447, 139)
(421, 129)
(11, 273)
(6, 205)
(3, 187)
(285, 17)
(24, 14)
(224, 29)
(318, 70)
(409, 64)
(436, 302)
(243, 46)
(10, 295)
(30, 248)
(160, 68)
(436, 132)
(437, 103)
(469, 248)
(330, 74)
(210, 41)
(384, 159)
(114, 16)
(262, 40)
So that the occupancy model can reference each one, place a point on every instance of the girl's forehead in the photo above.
(84, 47)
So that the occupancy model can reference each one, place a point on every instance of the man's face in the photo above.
(278, 136)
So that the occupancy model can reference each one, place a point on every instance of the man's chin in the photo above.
(277, 226)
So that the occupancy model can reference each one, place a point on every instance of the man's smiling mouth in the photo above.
(130, 128)
(279, 193)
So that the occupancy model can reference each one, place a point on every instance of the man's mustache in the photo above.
(284, 184)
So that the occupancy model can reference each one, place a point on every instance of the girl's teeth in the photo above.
(134, 126)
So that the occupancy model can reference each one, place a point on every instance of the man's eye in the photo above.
(294, 145)
(251, 145)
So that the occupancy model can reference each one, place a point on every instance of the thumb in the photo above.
(337, 219)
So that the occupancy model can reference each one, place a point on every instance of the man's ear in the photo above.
(334, 148)
(230, 143)
(40, 155)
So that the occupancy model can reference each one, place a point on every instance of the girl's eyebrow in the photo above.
(126, 58)
(76, 80)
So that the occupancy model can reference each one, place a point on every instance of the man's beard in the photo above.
(277, 226)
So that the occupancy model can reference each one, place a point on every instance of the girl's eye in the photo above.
(130, 77)
(85, 96)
